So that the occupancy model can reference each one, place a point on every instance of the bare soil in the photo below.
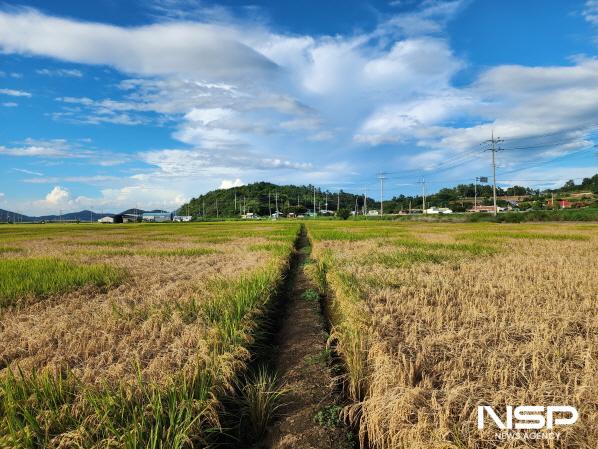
(303, 367)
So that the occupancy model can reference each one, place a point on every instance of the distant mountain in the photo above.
(83, 216)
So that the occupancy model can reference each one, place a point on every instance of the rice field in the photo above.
(130, 336)
(138, 336)
(433, 320)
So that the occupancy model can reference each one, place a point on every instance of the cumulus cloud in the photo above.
(230, 183)
(247, 102)
(57, 195)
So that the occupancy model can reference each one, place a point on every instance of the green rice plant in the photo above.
(107, 243)
(39, 277)
(474, 249)
(261, 400)
(10, 249)
(177, 252)
(106, 252)
(494, 235)
(400, 259)
(276, 248)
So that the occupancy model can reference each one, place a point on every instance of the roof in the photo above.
(156, 214)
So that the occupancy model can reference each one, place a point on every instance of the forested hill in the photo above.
(254, 198)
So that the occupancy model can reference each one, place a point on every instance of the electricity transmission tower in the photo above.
(494, 147)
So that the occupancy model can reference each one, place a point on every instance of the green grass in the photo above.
(40, 277)
(310, 295)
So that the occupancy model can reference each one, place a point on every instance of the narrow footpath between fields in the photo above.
(310, 417)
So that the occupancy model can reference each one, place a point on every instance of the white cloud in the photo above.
(28, 172)
(230, 183)
(56, 196)
(14, 93)
(74, 73)
(183, 47)
(249, 100)
(57, 148)
(590, 11)
(10, 104)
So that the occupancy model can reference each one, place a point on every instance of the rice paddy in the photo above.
(138, 336)
(433, 320)
(131, 336)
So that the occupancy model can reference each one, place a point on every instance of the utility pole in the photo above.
(235, 202)
(217, 208)
(326, 207)
(269, 205)
(338, 201)
(423, 183)
(314, 201)
(475, 194)
(381, 177)
(494, 142)
(203, 203)
(365, 200)
(276, 195)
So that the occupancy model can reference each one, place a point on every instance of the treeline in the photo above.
(587, 184)
(262, 197)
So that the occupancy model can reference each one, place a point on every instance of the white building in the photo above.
(373, 212)
(439, 210)
(182, 218)
(106, 220)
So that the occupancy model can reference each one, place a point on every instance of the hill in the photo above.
(262, 197)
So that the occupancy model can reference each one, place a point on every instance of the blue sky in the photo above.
(115, 104)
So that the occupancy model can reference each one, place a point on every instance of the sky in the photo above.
(115, 104)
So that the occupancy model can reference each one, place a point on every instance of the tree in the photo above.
(343, 214)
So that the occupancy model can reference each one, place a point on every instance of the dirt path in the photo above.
(302, 366)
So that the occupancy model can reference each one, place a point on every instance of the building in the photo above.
(561, 204)
(182, 218)
(106, 220)
(489, 209)
(373, 212)
(249, 216)
(439, 210)
(157, 217)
